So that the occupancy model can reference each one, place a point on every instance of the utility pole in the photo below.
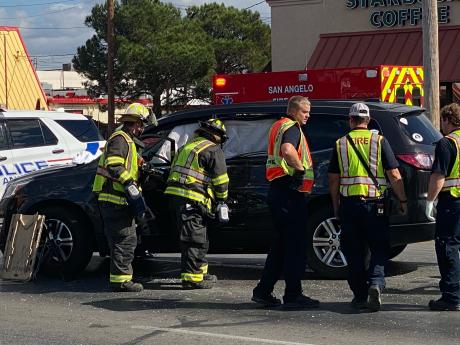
(110, 55)
(431, 59)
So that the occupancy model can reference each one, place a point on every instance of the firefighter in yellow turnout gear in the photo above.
(198, 186)
(116, 187)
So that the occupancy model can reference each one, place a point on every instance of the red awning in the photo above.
(388, 47)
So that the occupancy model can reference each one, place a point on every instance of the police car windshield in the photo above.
(418, 128)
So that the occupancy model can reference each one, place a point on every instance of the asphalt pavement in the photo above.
(84, 311)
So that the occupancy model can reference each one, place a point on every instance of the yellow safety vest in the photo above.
(276, 165)
(354, 179)
(108, 188)
(188, 179)
(452, 182)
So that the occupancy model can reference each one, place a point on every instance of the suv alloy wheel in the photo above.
(68, 241)
(326, 244)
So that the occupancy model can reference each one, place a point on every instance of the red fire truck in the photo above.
(393, 84)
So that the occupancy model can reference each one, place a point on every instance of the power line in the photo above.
(38, 4)
(51, 55)
(68, 28)
(43, 14)
(260, 2)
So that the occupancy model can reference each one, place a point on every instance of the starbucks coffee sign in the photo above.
(391, 13)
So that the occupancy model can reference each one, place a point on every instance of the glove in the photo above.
(222, 212)
(297, 180)
(429, 210)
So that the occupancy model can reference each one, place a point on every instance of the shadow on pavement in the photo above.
(142, 304)
(163, 274)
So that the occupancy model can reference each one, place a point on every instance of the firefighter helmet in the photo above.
(216, 127)
(135, 112)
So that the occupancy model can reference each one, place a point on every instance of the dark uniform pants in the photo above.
(362, 229)
(288, 252)
(191, 226)
(120, 230)
(447, 243)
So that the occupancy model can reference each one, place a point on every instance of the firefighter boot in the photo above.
(128, 286)
(210, 277)
(204, 284)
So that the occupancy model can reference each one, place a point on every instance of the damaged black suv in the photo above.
(74, 224)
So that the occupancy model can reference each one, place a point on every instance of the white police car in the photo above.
(34, 140)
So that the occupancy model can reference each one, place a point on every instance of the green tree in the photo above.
(241, 40)
(157, 51)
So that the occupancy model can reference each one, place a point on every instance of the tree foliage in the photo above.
(241, 40)
(160, 52)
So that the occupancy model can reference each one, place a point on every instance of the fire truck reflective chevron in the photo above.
(393, 84)
(402, 85)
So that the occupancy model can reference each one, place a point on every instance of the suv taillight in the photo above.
(417, 160)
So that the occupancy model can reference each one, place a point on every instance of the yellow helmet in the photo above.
(135, 112)
(215, 126)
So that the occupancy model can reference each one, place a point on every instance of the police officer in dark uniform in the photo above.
(198, 188)
(357, 202)
(445, 184)
(290, 172)
(119, 197)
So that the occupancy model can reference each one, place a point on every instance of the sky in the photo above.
(53, 29)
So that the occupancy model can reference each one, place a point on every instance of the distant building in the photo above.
(19, 86)
(359, 33)
(65, 91)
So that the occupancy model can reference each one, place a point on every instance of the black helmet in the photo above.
(216, 127)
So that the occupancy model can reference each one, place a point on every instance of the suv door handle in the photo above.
(3, 159)
(57, 151)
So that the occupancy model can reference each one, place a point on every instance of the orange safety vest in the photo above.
(276, 165)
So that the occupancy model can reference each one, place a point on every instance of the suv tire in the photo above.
(324, 255)
(70, 239)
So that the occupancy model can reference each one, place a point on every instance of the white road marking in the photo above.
(217, 335)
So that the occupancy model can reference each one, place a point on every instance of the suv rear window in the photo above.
(418, 128)
(83, 130)
(29, 133)
(322, 130)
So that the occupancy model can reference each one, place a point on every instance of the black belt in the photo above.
(360, 198)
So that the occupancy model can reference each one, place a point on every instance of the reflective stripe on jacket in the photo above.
(188, 179)
(452, 181)
(354, 179)
(108, 188)
(277, 166)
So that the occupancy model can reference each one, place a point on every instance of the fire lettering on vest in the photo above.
(361, 141)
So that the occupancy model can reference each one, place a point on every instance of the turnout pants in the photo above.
(194, 243)
(363, 230)
(447, 244)
(120, 230)
(288, 253)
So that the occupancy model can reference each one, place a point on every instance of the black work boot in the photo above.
(375, 300)
(128, 286)
(442, 305)
(204, 284)
(300, 302)
(359, 303)
(210, 277)
(269, 300)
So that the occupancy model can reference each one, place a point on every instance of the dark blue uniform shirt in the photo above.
(444, 158)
